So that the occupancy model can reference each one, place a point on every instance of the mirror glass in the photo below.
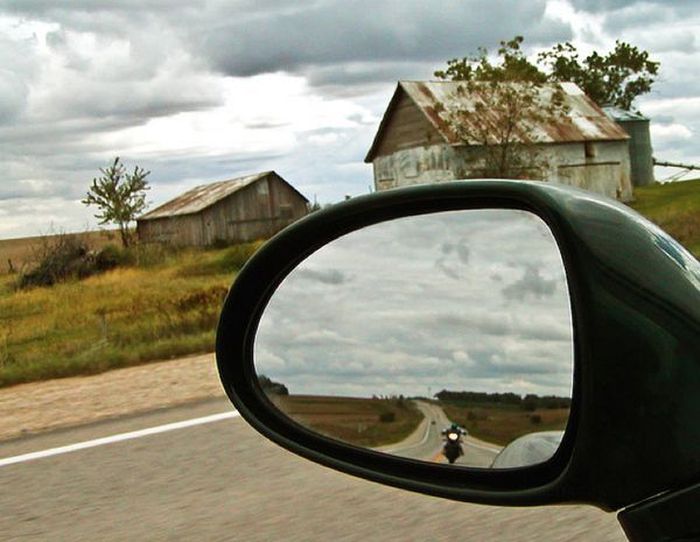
(443, 337)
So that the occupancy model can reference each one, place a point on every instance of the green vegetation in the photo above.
(164, 304)
(159, 302)
(502, 423)
(502, 417)
(615, 78)
(363, 422)
(120, 197)
(675, 207)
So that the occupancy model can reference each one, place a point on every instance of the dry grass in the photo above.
(124, 317)
(20, 253)
(354, 420)
(502, 424)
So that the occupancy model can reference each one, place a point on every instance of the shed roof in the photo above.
(437, 100)
(623, 115)
(203, 196)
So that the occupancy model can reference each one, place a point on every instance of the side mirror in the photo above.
(560, 327)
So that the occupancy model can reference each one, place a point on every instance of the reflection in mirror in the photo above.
(444, 337)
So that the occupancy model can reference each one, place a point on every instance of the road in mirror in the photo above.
(444, 337)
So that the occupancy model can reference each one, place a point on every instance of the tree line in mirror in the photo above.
(499, 418)
(529, 402)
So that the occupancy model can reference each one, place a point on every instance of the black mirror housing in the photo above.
(633, 431)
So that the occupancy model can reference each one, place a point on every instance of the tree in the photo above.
(513, 66)
(614, 79)
(120, 196)
(506, 100)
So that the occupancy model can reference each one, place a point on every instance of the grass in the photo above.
(19, 253)
(167, 304)
(675, 207)
(501, 424)
(363, 422)
(163, 308)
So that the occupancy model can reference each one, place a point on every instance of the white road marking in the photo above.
(117, 438)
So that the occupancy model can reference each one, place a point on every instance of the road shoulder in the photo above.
(43, 406)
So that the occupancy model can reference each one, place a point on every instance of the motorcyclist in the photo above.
(453, 446)
(455, 428)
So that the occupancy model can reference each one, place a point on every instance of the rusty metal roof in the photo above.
(202, 196)
(439, 100)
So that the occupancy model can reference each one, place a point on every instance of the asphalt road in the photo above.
(426, 443)
(222, 481)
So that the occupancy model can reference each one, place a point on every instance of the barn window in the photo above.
(590, 149)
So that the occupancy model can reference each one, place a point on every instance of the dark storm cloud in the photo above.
(331, 35)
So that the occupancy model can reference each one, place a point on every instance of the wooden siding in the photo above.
(184, 230)
(407, 127)
(257, 211)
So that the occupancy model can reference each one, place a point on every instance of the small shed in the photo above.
(235, 211)
(416, 144)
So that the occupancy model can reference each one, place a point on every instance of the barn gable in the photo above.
(404, 125)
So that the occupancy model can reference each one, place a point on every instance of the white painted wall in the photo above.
(606, 172)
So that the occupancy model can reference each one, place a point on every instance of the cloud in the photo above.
(354, 38)
(400, 327)
(324, 276)
(532, 285)
(204, 90)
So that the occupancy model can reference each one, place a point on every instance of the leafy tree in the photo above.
(513, 66)
(613, 79)
(507, 99)
(616, 78)
(120, 196)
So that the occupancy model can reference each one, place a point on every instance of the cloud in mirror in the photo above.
(403, 316)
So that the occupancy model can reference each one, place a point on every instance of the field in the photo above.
(675, 207)
(363, 422)
(502, 424)
(166, 305)
(17, 254)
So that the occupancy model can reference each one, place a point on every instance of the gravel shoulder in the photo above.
(67, 402)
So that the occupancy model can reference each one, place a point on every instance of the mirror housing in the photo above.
(635, 297)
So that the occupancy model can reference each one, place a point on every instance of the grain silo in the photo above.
(637, 126)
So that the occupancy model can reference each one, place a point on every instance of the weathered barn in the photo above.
(238, 210)
(416, 143)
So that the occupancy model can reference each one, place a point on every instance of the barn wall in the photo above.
(602, 166)
(607, 172)
(184, 230)
(407, 127)
(255, 212)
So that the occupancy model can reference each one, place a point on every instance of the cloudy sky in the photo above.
(465, 300)
(205, 90)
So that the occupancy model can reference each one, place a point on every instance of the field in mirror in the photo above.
(444, 337)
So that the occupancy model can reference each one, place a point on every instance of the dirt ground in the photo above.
(41, 406)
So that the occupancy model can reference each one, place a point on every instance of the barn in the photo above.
(234, 211)
(415, 142)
